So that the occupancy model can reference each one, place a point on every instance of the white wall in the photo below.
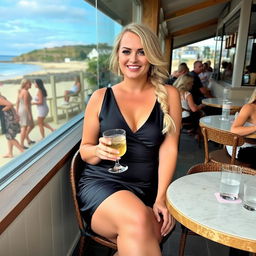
(47, 226)
(242, 92)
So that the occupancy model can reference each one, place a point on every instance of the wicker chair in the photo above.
(225, 138)
(77, 165)
(204, 167)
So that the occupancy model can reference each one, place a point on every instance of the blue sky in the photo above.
(27, 25)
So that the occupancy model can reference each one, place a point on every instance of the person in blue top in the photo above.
(130, 207)
(74, 90)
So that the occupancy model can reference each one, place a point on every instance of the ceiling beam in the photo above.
(194, 28)
(193, 8)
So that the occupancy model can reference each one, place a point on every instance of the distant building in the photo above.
(190, 52)
(93, 54)
(66, 60)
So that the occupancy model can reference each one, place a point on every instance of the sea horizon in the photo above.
(10, 70)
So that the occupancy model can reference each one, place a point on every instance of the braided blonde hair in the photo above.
(157, 74)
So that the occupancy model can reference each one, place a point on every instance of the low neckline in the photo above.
(121, 114)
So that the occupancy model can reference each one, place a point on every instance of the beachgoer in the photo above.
(42, 107)
(25, 112)
(75, 89)
(130, 207)
(245, 124)
(10, 125)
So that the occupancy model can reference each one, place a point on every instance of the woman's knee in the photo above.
(140, 223)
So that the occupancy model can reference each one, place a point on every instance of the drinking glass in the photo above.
(225, 114)
(118, 142)
(230, 181)
(249, 200)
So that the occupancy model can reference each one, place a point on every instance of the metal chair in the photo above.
(204, 167)
(77, 165)
(225, 138)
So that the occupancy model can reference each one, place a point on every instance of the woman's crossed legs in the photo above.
(125, 219)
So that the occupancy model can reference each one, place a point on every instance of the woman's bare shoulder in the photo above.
(248, 108)
(97, 97)
(99, 93)
(172, 91)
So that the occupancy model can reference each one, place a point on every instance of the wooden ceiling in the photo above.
(191, 21)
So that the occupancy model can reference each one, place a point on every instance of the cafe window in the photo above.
(226, 40)
(249, 74)
(58, 44)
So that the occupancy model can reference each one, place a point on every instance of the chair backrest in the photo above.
(77, 165)
(216, 167)
(222, 137)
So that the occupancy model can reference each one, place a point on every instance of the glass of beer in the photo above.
(118, 142)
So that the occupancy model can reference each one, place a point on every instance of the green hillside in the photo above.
(58, 54)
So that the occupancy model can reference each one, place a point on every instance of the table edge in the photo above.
(212, 234)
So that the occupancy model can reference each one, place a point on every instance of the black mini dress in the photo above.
(141, 157)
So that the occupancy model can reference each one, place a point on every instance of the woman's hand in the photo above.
(104, 151)
(161, 212)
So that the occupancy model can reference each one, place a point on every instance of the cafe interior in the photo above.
(39, 213)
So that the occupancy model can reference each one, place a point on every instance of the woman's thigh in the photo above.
(122, 210)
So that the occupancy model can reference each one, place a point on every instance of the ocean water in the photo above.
(9, 70)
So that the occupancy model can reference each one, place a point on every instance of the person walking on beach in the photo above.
(25, 112)
(74, 90)
(42, 107)
(10, 125)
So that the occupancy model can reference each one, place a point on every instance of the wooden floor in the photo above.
(190, 153)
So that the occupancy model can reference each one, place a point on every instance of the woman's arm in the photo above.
(243, 116)
(39, 98)
(92, 148)
(167, 159)
(192, 104)
(6, 103)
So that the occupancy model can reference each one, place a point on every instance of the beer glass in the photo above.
(118, 142)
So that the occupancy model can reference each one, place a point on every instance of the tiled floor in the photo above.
(190, 153)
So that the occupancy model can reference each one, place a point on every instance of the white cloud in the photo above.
(29, 4)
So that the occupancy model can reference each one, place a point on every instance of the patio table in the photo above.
(192, 202)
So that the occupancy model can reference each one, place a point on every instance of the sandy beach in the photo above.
(9, 88)
(61, 71)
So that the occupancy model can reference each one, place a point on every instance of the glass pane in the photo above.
(249, 76)
(228, 49)
(64, 43)
(202, 50)
(50, 41)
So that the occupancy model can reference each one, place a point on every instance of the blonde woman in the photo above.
(190, 111)
(245, 124)
(130, 208)
(25, 112)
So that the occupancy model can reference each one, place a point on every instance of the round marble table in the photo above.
(218, 102)
(192, 202)
(216, 122)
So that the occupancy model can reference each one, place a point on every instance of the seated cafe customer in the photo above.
(191, 112)
(245, 124)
